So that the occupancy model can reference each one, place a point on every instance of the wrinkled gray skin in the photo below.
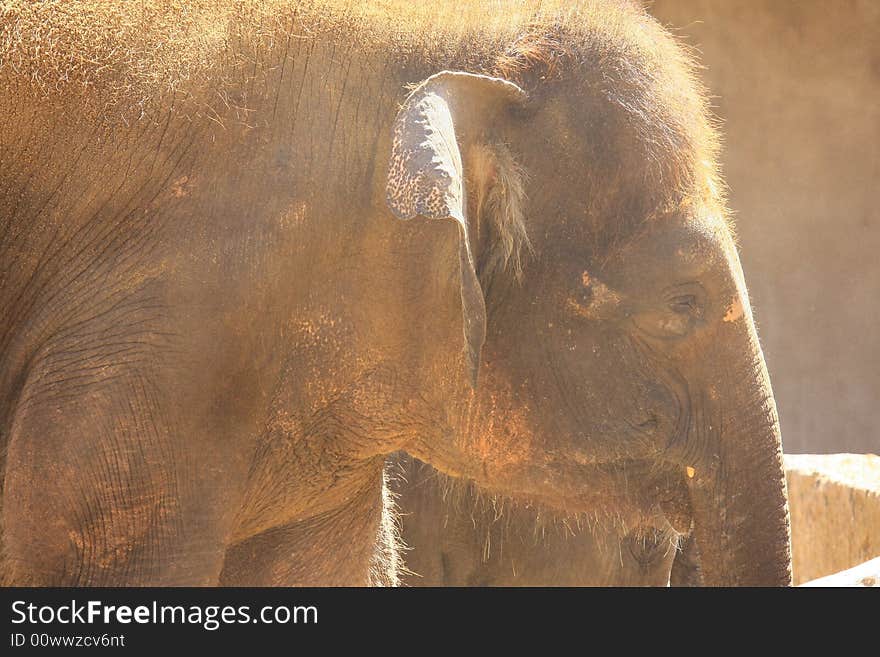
(214, 326)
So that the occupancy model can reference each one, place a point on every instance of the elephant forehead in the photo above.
(687, 240)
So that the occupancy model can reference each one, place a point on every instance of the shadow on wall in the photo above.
(797, 86)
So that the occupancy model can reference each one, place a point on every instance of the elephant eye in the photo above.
(684, 304)
(675, 314)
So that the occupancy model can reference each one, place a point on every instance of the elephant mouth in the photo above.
(632, 493)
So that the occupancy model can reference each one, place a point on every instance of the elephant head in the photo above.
(610, 364)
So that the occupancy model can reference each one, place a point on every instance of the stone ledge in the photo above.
(835, 514)
(865, 574)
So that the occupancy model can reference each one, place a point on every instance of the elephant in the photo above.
(251, 249)
(456, 534)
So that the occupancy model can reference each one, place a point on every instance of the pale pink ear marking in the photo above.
(602, 298)
(734, 311)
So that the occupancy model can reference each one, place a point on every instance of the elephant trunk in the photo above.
(738, 496)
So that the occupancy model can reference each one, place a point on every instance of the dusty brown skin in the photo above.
(797, 86)
(459, 535)
(215, 329)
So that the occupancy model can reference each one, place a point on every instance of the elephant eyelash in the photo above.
(685, 304)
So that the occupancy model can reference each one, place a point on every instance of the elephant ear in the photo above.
(426, 177)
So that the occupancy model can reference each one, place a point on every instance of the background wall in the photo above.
(797, 86)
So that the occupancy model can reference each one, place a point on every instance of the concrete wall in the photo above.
(835, 512)
(797, 85)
